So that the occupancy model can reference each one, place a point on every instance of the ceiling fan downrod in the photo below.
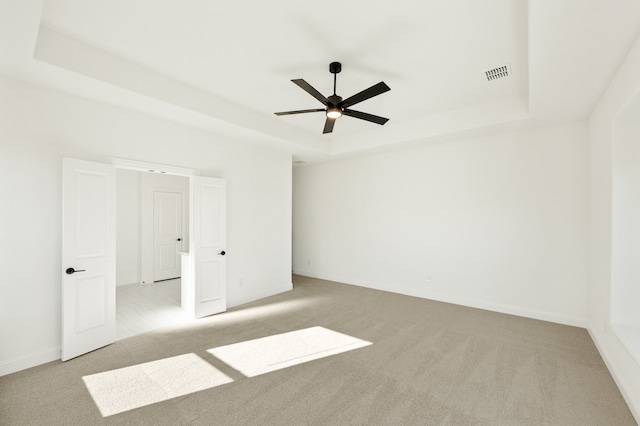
(335, 68)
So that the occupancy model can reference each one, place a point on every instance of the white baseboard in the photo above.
(456, 300)
(261, 295)
(32, 360)
(632, 400)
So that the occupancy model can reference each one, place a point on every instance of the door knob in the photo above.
(179, 239)
(70, 271)
(222, 253)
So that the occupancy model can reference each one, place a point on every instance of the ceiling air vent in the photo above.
(498, 73)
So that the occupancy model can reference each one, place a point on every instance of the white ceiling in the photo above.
(226, 66)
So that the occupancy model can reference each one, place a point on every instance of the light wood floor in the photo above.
(142, 308)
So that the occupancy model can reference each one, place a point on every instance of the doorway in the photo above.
(152, 230)
(89, 249)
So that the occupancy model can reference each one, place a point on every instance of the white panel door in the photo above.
(88, 257)
(167, 234)
(208, 241)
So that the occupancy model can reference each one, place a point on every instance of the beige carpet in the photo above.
(365, 358)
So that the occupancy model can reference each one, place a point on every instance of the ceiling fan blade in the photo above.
(328, 125)
(372, 91)
(364, 116)
(301, 111)
(310, 90)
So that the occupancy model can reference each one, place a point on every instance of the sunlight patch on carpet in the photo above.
(270, 309)
(267, 354)
(132, 387)
(240, 315)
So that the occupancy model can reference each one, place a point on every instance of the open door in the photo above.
(88, 256)
(208, 245)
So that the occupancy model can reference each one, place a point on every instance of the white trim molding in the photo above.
(142, 166)
(632, 400)
(32, 360)
(456, 300)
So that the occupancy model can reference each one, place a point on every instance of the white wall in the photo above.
(625, 240)
(497, 223)
(127, 227)
(622, 89)
(38, 127)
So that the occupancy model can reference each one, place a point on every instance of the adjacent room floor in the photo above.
(141, 308)
(329, 354)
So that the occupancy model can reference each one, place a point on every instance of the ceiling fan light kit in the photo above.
(335, 106)
(334, 112)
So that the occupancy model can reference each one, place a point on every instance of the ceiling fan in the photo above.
(336, 107)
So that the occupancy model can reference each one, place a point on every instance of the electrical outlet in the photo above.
(308, 262)
(240, 282)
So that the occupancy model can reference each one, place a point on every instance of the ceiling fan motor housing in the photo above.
(334, 99)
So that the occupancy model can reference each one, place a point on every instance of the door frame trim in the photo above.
(143, 166)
